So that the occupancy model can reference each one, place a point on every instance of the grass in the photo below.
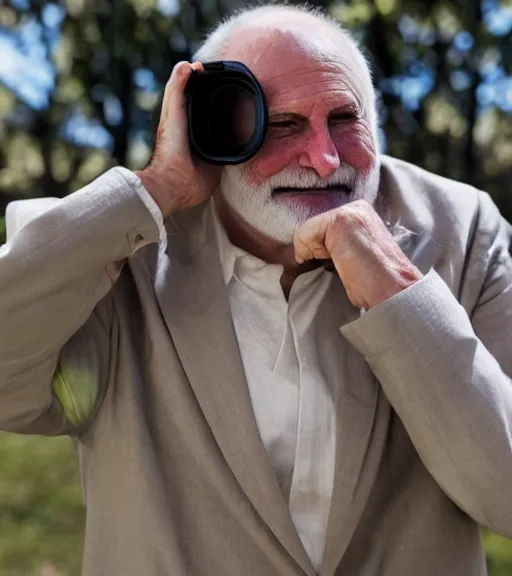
(41, 510)
(42, 516)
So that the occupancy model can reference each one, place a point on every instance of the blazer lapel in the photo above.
(193, 300)
(362, 410)
(361, 420)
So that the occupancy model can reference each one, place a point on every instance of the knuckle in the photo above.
(342, 214)
(303, 245)
(341, 219)
(197, 65)
(358, 209)
(366, 209)
(299, 240)
(180, 71)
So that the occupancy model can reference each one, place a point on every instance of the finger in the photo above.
(173, 121)
(197, 66)
(309, 239)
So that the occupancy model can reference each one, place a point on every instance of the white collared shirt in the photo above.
(290, 395)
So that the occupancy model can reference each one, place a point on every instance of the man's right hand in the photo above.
(173, 177)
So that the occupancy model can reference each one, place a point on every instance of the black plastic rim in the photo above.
(236, 73)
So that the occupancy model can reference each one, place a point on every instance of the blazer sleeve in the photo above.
(447, 373)
(57, 268)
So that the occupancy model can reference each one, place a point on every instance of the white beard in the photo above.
(277, 220)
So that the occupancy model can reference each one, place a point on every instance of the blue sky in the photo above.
(26, 69)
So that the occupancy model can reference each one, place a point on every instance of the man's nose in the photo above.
(319, 152)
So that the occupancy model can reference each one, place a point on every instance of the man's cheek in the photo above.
(273, 157)
(357, 148)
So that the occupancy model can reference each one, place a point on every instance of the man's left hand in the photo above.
(369, 262)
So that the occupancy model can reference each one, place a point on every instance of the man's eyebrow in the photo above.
(285, 115)
(348, 108)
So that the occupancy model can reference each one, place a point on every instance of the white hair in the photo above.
(258, 207)
(217, 42)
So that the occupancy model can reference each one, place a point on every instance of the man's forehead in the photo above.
(262, 46)
(291, 61)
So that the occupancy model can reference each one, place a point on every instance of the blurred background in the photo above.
(78, 82)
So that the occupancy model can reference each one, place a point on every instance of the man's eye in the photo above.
(283, 128)
(344, 118)
(282, 124)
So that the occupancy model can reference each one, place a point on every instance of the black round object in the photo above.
(226, 113)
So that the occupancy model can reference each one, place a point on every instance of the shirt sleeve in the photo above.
(154, 210)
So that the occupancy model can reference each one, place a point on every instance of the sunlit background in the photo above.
(78, 82)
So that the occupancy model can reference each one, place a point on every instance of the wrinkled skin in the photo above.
(321, 134)
(308, 192)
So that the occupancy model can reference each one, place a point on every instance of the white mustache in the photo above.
(293, 178)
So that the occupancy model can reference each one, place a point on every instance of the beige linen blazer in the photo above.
(128, 346)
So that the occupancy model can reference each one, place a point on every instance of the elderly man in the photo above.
(239, 409)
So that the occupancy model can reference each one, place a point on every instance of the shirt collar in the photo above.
(228, 252)
(232, 256)
(238, 262)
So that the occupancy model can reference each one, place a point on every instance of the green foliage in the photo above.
(431, 61)
(103, 47)
(499, 554)
(41, 511)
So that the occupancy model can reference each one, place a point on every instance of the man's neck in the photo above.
(254, 242)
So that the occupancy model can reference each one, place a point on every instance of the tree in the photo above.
(442, 66)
